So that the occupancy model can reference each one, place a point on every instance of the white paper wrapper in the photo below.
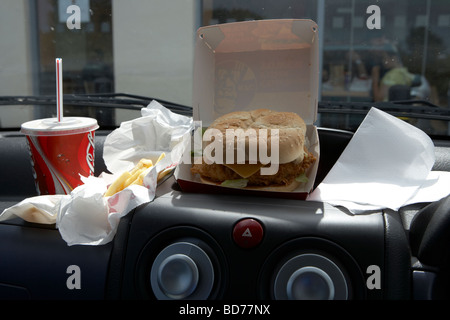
(40, 209)
(87, 217)
(158, 130)
(387, 164)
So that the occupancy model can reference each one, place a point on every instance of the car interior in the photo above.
(233, 247)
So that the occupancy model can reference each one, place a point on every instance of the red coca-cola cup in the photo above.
(61, 152)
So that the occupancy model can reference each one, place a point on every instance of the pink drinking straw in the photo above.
(59, 90)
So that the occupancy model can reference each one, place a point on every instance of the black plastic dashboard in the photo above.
(201, 241)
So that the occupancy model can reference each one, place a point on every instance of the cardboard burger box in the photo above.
(250, 65)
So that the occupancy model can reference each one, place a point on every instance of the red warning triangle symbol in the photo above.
(247, 233)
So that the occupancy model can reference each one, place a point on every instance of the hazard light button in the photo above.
(248, 233)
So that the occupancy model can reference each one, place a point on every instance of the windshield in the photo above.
(370, 53)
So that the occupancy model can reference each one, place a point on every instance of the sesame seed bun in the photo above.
(291, 131)
(293, 157)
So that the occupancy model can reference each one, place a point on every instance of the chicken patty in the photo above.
(287, 172)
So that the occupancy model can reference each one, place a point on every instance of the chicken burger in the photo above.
(250, 137)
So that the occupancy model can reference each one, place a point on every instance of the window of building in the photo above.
(87, 52)
(412, 36)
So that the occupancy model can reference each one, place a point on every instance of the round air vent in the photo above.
(182, 271)
(310, 268)
(181, 263)
(310, 277)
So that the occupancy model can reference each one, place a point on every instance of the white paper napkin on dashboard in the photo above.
(387, 164)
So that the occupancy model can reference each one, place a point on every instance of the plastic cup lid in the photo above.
(51, 126)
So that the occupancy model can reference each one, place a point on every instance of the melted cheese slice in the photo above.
(245, 170)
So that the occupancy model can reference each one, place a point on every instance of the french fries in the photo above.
(118, 184)
(135, 176)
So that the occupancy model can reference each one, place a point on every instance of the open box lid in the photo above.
(249, 65)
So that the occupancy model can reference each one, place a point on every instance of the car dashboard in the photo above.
(221, 247)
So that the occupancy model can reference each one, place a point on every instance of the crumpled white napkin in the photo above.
(387, 164)
(39, 209)
(85, 216)
(158, 130)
